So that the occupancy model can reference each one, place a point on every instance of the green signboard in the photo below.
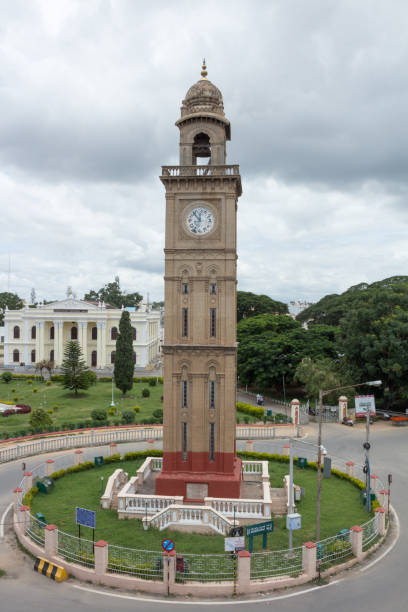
(259, 528)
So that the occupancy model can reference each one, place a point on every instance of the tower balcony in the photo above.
(202, 173)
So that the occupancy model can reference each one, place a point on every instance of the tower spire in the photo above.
(204, 71)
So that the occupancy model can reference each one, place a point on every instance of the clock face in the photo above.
(200, 221)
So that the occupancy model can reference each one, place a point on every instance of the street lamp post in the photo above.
(322, 394)
(112, 402)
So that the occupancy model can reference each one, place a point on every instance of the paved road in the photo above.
(378, 588)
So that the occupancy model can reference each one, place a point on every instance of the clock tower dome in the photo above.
(199, 351)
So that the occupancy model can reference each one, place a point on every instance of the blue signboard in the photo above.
(168, 545)
(85, 517)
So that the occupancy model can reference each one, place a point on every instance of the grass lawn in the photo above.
(76, 409)
(341, 508)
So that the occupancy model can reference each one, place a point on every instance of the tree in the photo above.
(322, 374)
(124, 364)
(272, 346)
(39, 419)
(250, 305)
(11, 301)
(7, 377)
(45, 364)
(112, 294)
(73, 369)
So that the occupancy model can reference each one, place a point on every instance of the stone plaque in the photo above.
(197, 490)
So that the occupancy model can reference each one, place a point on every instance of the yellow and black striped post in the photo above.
(49, 569)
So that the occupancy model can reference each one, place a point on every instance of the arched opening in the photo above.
(134, 333)
(16, 332)
(93, 359)
(33, 332)
(74, 333)
(52, 355)
(33, 356)
(16, 356)
(201, 149)
(94, 333)
(114, 333)
(113, 353)
(52, 332)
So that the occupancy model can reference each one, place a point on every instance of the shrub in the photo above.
(35, 390)
(136, 408)
(152, 382)
(91, 377)
(98, 414)
(55, 407)
(15, 398)
(113, 459)
(13, 390)
(57, 378)
(256, 411)
(6, 377)
(116, 423)
(111, 411)
(28, 497)
(158, 415)
(160, 379)
(29, 382)
(50, 411)
(128, 416)
(137, 380)
(145, 392)
(105, 379)
(48, 383)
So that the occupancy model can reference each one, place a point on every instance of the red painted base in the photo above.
(173, 481)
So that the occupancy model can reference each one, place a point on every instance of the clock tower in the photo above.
(199, 351)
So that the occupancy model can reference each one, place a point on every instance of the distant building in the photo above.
(297, 306)
(34, 334)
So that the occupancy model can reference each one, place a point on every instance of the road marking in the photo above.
(205, 603)
(3, 518)
(389, 549)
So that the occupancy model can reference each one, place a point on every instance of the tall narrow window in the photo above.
(212, 441)
(114, 333)
(16, 332)
(213, 328)
(94, 359)
(94, 333)
(185, 323)
(184, 288)
(184, 394)
(33, 356)
(212, 393)
(74, 333)
(52, 332)
(52, 355)
(184, 441)
(33, 332)
(134, 334)
(16, 356)
(213, 288)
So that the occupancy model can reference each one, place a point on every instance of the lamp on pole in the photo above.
(322, 394)
(112, 402)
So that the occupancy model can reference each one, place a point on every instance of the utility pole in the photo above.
(367, 446)
(319, 466)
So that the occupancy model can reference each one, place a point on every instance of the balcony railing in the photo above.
(200, 170)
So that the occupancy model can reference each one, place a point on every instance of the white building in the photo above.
(34, 334)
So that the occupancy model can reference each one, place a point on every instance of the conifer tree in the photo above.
(124, 364)
(74, 369)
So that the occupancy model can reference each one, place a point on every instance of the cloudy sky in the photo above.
(317, 95)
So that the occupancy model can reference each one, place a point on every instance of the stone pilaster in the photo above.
(342, 407)
(103, 344)
(244, 571)
(28, 481)
(380, 518)
(49, 467)
(309, 559)
(101, 557)
(294, 411)
(99, 344)
(51, 540)
(83, 339)
(356, 539)
(350, 468)
(78, 457)
(39, 356)
(17, 497)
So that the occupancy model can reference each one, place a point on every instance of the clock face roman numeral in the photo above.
(200, 221)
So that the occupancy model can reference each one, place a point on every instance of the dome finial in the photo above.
(204, 71)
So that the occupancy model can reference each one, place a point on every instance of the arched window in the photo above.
(94, 333)
(52, 333)
(16, 332)
(16, 356)
(33, 332)
(74, 333)
(114, 333)
(33, 356)
(52, 355)
(134, 357)
(93, 359)
(134, 333)
(201, 148)
(113, 353)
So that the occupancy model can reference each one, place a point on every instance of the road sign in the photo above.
(364, 404)
(259, 528)
(85, 517)
(168, 545)
(233, 544)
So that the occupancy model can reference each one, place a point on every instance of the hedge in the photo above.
(256, 411)
(28, 497)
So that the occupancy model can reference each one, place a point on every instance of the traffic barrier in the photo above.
(49, 569)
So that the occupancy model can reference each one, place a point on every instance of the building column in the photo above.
(27, 338)
(103, 344)
(40, 355)
(37, 341)
(57, 342)
(60, 342)
(6, 341)
(83, 338)
(99, 344)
